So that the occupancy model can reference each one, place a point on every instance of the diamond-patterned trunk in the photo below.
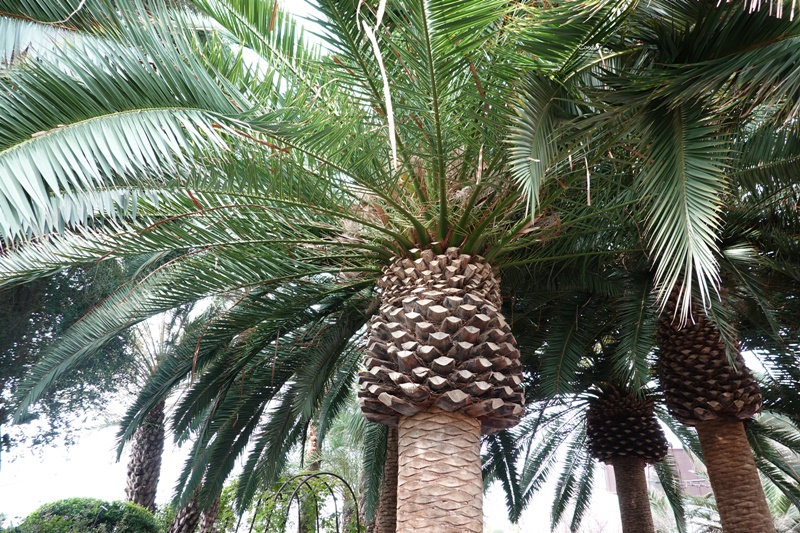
(705, 390)
(208, 522)
(439, 343)
(187, 517)
(622, 430)
(439, 483)
(144, 464)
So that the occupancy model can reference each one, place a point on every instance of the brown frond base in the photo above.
(440, 341)
(621, 425)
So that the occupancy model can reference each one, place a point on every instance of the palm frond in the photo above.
(24, 38)
(671, 483)
(682, 179)
(374, 458)
(500, 464)
(636, 337)
(66, 113)
(577, 465)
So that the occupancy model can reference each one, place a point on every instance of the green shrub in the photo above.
(89, 515)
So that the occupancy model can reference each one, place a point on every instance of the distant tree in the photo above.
(34, 314)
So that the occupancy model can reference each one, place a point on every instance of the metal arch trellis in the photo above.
(305, 480)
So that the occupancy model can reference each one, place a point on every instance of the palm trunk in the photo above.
(349, 514)
(187, 518)
(715, 393)
(439, 482)
(208, 524)
(144, 465)
(734, 479)
(623, 431)
(634, 501)
(386, 518)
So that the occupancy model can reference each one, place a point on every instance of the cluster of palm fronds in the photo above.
(601, 156)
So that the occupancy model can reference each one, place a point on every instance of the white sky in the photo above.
(87, 469)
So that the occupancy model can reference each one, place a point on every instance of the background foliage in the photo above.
(88, 515)
(32, 316)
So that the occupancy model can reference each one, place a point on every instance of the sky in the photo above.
(87, 469)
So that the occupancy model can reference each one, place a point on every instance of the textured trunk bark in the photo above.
(386, 518)
(734, 478)
(187, 518)
(308, 505)
(439, 483)
(208, 524)
(634, 501)
(349, 513)
(144, 464)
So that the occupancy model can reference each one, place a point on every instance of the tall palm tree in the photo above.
(368, 181)
(622, 430)
(703, 125)
(589, 409)
(609, 309)
(152, 342)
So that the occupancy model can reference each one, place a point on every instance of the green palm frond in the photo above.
(268, 31)
(374, 458)
(686, 158)
(737, 59)
(561, 36)
(637, 336)
(72, 15)
(568, 346)
(670, 481)
(22, 38)
(534, 138)
(63, 132)
(575, 481)
(768, 159)
(776, 445)
(299, 370)
(500, 464)
(543, 456)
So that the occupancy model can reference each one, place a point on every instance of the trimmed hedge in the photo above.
(89, 515)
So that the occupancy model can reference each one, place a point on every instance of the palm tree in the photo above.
(144, 465)
(602, 317)
(622, 430)
(323, 190)
(702, 128)
(589, 410)
(152, 343)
